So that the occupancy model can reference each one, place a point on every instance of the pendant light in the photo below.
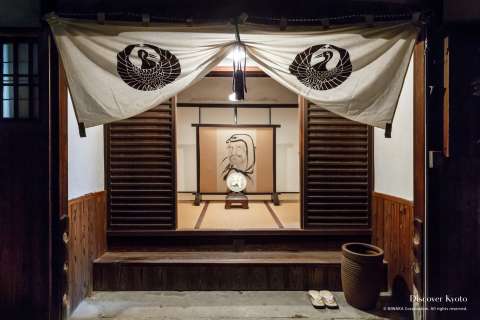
(239, 86)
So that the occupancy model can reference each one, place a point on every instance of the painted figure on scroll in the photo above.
(240, 150)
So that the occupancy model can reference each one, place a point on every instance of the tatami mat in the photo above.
(188, 214)
(289, 213)
(256, 217)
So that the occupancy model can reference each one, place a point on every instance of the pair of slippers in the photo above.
(321, 299)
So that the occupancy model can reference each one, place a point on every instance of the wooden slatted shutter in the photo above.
(337, 175)
(140, 171)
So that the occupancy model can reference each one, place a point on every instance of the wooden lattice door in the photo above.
(336, 171)
(140, 171)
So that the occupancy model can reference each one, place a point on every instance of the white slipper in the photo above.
(328, 299)
(316, 299)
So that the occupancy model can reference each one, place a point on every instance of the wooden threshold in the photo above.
(257, 232)
(221, 257)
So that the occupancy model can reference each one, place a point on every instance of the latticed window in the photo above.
(19, 84)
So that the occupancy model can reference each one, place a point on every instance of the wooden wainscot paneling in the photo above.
(393, 231)
(87, 241)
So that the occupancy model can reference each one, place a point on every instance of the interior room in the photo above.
(270, 115)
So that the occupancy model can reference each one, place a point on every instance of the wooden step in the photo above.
(217, 270)
(221, 257)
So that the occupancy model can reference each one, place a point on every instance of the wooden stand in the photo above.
(275, 199)
(198, 199)
(236, 201)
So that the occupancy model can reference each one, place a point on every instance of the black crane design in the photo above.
(151, 75)
(316, 75)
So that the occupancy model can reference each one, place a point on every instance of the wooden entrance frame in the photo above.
(55, 129)
(419, 164)
(60, 136)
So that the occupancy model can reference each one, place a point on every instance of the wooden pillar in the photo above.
(419, 165)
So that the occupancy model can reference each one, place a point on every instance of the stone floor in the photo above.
(231, 305)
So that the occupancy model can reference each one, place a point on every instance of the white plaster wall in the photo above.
(186, 149)
(394, 156)
(85, 158)
(218, 115)
(217, 89)
(288, 152)
(252, 116)
(288, 175)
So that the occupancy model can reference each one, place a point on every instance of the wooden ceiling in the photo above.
(210, 9)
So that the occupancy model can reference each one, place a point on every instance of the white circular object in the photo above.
(232, 97)
(236, 182)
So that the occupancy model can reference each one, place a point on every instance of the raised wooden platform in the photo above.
(221, 257)
(220, 270)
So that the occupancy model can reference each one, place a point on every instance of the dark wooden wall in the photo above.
(87, 241)
(454, 182)
(392, 231)
(24, 216)
(25, 210)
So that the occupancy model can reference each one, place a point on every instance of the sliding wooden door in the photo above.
(337, 158)
(140, 171)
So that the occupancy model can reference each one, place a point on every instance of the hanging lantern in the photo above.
(239, 85)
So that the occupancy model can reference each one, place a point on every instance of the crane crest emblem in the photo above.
(315, 67)
(146, 67)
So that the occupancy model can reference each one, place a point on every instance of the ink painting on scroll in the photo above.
(249, 151)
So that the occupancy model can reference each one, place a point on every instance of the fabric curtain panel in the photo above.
(118, 70)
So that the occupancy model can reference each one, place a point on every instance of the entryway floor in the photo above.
(213, 305)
